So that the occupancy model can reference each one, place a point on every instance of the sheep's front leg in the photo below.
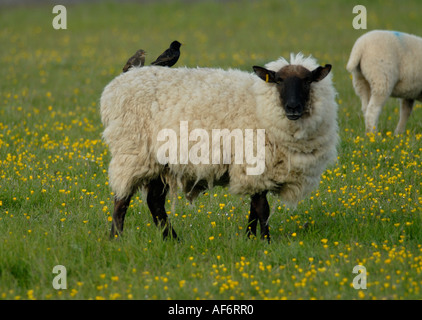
(260, 211)
(120, 209)
(156, 199)
(406, 106)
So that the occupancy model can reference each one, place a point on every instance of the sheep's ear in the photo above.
(264, 74)
(320, 73)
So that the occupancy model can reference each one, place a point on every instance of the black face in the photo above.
(293, 83)
(294, 96)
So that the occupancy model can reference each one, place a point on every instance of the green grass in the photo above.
(55, 202)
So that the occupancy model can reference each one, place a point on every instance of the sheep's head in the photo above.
(293, 83)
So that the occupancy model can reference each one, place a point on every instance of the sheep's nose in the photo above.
(294, 107)
(294, 110)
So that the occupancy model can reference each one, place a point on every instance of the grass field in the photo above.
(56, 205)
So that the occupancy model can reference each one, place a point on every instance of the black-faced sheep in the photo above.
(384, 64)
(283, 118)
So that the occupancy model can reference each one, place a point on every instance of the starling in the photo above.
(169, 57)
(138, 59)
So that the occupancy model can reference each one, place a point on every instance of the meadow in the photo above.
(56, 204)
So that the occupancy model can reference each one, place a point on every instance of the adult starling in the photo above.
(138, 59)
(169, 57)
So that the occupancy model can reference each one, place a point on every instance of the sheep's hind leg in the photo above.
(156, 199)
(260, 211)
(406, 106)
(119, 213)
(376, 102)
(363, 89)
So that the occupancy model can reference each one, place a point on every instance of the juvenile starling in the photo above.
(138, 59)
(169, 57)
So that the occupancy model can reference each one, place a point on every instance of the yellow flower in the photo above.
(73, 292)
(30, 294)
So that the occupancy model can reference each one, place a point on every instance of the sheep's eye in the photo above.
(308, 80)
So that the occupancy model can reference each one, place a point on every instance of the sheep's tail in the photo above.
(354, 60)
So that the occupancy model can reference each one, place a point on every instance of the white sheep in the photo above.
(295, 105)
(383, 64)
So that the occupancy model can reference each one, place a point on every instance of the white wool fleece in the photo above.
(383, 64)
(136, 105)
(390, 61)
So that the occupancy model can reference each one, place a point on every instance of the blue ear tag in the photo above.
(266, 77)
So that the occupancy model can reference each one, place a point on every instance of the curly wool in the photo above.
(136, 105)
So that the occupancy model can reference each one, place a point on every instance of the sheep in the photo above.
(293, 104)
(383, 64)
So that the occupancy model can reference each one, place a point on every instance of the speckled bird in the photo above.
(169, 57)
(138, 59)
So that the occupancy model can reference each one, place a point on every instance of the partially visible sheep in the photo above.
(295, 105)
(384, 64)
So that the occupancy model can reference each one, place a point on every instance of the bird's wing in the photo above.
(165, 56)
(162, 60)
